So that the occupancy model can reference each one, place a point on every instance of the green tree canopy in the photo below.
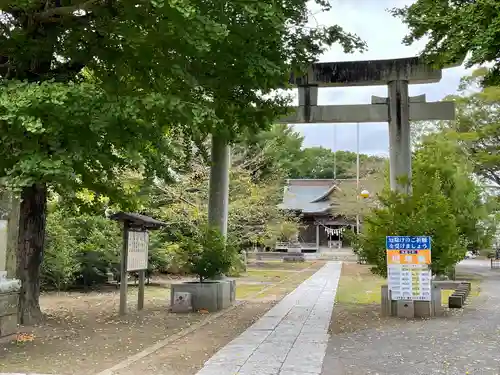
(445, 204)
(90, 88)
(281, 149)
(456, 29)
(477, 125)
(213, 60)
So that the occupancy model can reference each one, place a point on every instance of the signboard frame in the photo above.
(408, 267)
(137, 250)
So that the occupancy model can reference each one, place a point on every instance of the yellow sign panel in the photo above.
(409, 257)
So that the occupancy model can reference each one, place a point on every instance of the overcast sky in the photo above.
(370, 20)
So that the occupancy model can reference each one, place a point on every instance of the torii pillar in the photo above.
(218, 195)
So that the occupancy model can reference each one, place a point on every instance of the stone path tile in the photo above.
(290, 339)
(468, 342)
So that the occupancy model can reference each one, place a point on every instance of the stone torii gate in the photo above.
(398, 109)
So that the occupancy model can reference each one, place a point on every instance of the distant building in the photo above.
(322, 207)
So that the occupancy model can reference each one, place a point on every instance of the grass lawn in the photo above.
(268, 275)
(267, 280)
(278, 264)
(358, 285)
(246, 290)
(357, 303)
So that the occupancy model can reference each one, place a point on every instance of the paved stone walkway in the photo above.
(290, 339)
(466, 343)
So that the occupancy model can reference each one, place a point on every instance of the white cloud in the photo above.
(383, 33)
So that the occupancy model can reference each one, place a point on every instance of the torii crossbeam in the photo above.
(398, 109)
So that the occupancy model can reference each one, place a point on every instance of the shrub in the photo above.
(60, 263)
(238, 266)
(161, 254)
(422, 214)
(79, 250)
(209, 255)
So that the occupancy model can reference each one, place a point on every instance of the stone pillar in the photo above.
(9, 287)
(9, 228)
(218, 198)
(4, 222)
(399, 135)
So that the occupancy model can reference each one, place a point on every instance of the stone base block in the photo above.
(455, 301)
(209, 295)
(421, 309)
(232, 291)
(405, 309)
(182, 303)
(294, 257)
(8, 313)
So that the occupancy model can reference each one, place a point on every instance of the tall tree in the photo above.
(194, 66)
(64, 137)
(477, 125)
(320, 162)
(281, 148)
(266, 153)
(446, 204)
(456, 29)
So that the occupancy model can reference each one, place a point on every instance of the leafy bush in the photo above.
(238, 266)
(82, 249)
(416, 215)
(79, 250)
(210, 255)
(60, 263)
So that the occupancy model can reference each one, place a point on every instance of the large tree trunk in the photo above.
(32, 222)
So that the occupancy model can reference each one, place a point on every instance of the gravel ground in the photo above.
(466, 342)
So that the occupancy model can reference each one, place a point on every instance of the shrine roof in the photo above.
(309, 195)
(325, 196)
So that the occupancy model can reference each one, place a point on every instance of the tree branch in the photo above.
(67, 10)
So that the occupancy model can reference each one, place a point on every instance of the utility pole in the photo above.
(334, 152)
(357, 178)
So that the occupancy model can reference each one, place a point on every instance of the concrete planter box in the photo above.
(211, 295)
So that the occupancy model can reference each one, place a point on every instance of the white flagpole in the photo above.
(357, 178)
(334, 152)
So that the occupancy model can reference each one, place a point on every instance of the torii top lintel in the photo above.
(368, 73)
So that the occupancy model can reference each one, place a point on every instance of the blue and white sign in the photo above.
(408, 243)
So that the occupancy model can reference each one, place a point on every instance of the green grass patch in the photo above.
(361, 288)
(278, 264)
(246, 290)
(274, 286)
(268, 275)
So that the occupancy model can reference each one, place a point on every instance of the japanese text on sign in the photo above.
(408, 260)
(408, 243)
(137, 254)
